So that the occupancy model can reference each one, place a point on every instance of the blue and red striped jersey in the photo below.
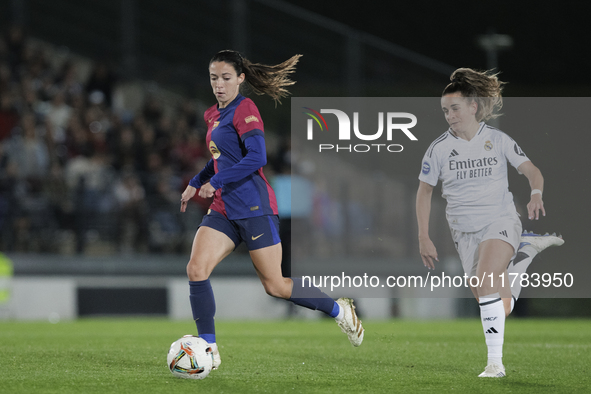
(235, 138)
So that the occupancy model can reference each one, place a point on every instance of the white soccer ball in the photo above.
(190, 357)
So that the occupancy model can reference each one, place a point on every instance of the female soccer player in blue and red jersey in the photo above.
(244, 206)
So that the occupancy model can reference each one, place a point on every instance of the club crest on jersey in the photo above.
(251, 118)
(214, 150)
(215, 124)
(488, 145)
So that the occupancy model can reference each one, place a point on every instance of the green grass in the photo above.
(129, 356)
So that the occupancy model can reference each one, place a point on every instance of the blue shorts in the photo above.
(257, 232)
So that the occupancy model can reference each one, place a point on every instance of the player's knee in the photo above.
(273, 291)
(196, 272)
(277, 289)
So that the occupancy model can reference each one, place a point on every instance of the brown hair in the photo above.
(481, 86)
(261, 78)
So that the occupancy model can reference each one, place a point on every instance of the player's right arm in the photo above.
(423, 208)
(204, 175)
(188, 194)
(198, 180)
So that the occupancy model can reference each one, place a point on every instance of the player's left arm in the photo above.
(536, 182)
(255, 158)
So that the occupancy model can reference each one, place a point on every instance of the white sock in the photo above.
(341, 314)
(492, 315)
(518, 266)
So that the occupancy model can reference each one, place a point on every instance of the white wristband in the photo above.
(536, 191)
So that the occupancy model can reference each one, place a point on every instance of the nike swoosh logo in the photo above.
(257, 237)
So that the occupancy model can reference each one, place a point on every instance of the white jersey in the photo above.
(473, 175)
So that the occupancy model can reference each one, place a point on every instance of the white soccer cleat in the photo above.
(493, 370)
(350, 324)
(540, 242)
(216, 356)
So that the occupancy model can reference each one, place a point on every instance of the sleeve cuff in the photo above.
(215, 183)
(195, 183)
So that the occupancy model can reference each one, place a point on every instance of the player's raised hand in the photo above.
(534, 207)
(188, 194)
(428, 253)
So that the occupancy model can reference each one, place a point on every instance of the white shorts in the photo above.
(506, 228)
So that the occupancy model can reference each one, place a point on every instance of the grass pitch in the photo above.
(129, 356)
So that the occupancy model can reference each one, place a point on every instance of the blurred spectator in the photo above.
(8, 203)
(96, 120)
(151, 176)
(3, 48)
(37, 69)
(165, 226)
(30, 100)
(5, 77)
(102, 80)
(27, 150)
(90, 177)
(163, 130)
(67, 79)
(77, 139)
(127, 150)
(58, 112)
(152, 110)
(188, 150)
(60, 198)
(15, 44)
(131, 213)
(34, 223)
(8, 115)
(188, 112)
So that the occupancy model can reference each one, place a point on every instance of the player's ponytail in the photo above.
(261, 78)
(482, 86)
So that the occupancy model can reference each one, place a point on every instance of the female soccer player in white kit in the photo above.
(470, 159)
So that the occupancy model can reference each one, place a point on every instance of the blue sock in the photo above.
(203, 307)
(313, 298)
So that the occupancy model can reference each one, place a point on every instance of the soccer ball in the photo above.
(190, 357)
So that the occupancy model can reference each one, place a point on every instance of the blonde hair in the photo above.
(261, 78)
(481, 86)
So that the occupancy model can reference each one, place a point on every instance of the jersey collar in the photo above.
(234, 102)
(482, 125)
